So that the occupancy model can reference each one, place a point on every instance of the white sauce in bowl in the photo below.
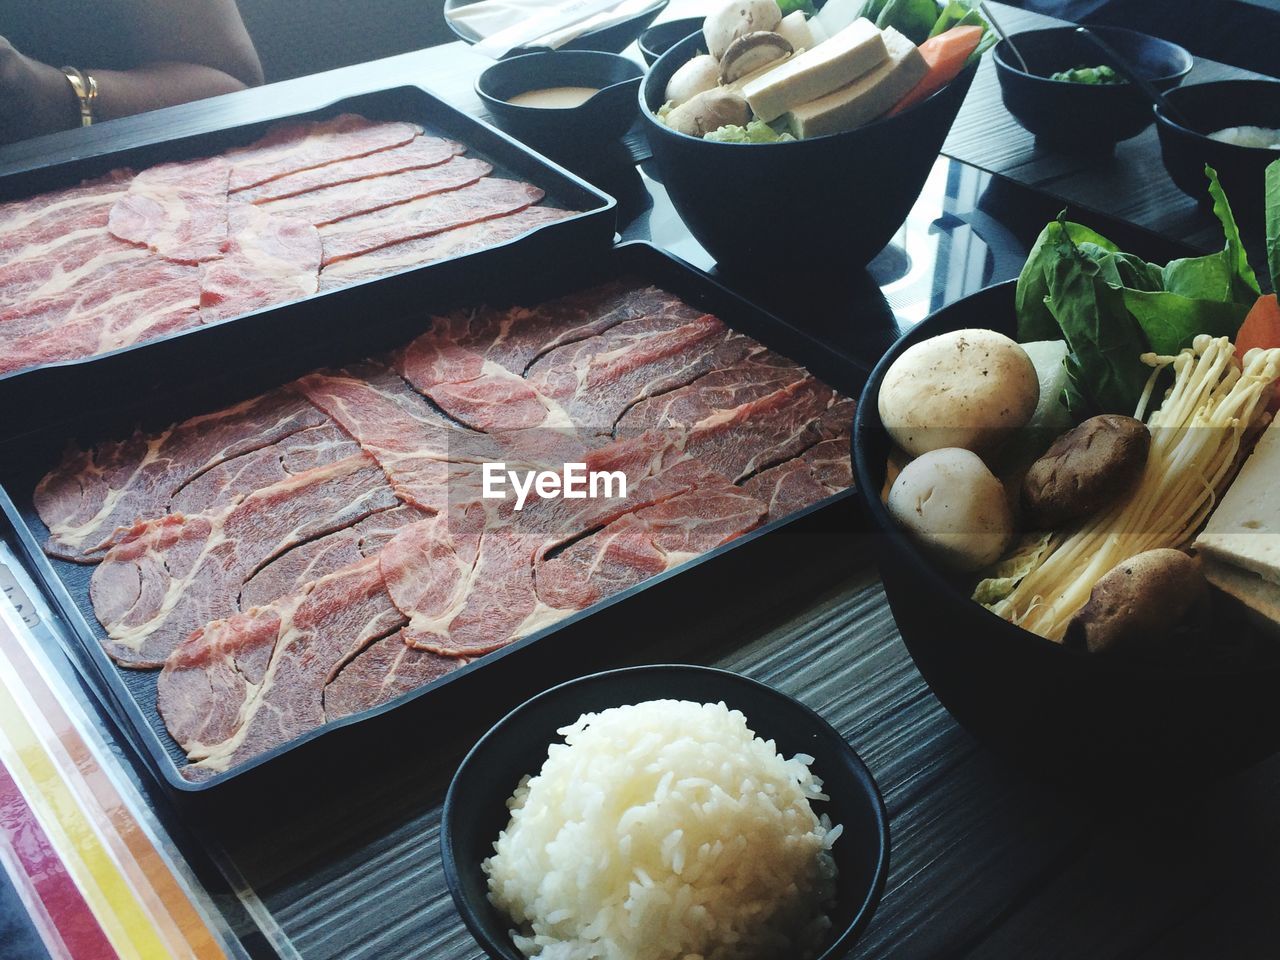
(556, 98)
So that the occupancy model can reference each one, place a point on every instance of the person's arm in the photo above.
(187, 50)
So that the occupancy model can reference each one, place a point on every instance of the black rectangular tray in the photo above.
(751, 562)
(50, 389)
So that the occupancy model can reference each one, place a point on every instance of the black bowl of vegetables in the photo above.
(1030, 597)
(1072, 99)
(1243, 117)
(827, 202)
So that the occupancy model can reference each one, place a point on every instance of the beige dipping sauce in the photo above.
(560, 98)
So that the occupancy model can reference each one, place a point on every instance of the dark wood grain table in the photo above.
(986, 862)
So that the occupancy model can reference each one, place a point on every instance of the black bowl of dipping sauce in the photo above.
(610, 39)
(475, 808)
(1096, 721)
(511, 90)
(661, 37)
(824, 203)
(1084, 117)
(1185, 149)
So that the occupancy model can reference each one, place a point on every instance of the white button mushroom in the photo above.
(709, 110)
(737, 19)
(954, 507)
(700, 74)
(966, 388)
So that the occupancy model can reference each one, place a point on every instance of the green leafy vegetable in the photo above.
(1112, 306)
(958, 13)
(756, 131)
(913, 18)
(791, 6)
(1273, 223)
(1024, 559)
(1101, 75)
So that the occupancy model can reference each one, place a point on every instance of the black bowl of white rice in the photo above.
(658, 812)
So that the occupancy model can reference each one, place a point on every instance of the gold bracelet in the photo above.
(85, 88)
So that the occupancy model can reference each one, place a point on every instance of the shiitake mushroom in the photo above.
(1085, 470)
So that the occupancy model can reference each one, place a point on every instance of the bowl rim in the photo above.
(1164, 119)
(871, 790)
(923, 566)
(1182, 52)
(666, 23)
(518, 109)
(651, 119)
(471, 39)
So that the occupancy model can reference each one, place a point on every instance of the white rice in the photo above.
(1265, 137)
(663, 830)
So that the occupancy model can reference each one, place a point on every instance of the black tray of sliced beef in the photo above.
(295, 540)
(102, 253)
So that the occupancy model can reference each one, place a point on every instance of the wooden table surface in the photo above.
(986, 863)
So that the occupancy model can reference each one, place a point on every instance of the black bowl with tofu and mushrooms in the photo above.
(820, 203)
(1059, 710)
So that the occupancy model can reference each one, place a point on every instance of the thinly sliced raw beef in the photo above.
(417, 153)
(481, 201)
(294, 146)
(816, 474)
(167, 577)
(238, 687)
(76, 278)
(270, 259)
(224, 484)
(756, 375)
(93, 492)
(33, 229)
(49, 242)
(318, 558)
(762, 432)
(648, 542)
(178, 210)
(597, 380)
(332, 204)
(155, 297)
(441, 246)
(386, 669)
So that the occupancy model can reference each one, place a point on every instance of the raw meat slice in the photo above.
(597, 380)
(332, 204)
(645, 543)
(178, 210)
(399, 432)
(386, 669)
(497, 400)
(87, 271)
(441, 246)
(481, 201)
(51, 217)
(317, 558)
(417, 153)
(816, 474)
(294, 146)
(240, 686)
(757, 375)
(270, 259)
(232, 479)
(762, 432)
(93, 492)
(152, 298)
(167, 577)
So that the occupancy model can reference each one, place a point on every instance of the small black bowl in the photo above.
(611, 39)
(1082, 117)
(475, 808)
(661, 37)
(827, 203)
(1209, 107)
(1068, 715)
(604, 117)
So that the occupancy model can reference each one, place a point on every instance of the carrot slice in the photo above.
(945, 54)
(1261, 328)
